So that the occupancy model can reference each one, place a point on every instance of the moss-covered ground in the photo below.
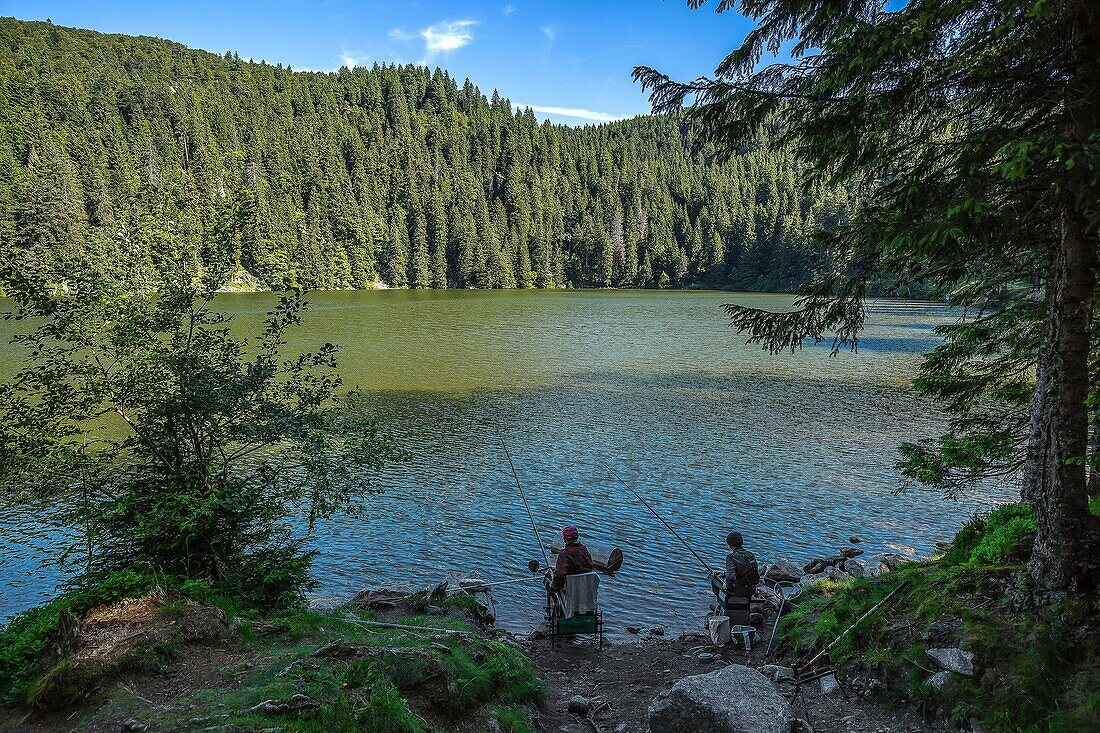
(396, 681)
(1037, 653)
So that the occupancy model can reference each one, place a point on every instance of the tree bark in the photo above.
(1066, 540)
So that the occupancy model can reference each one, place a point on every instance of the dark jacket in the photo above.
(742, 573)
(572, 559)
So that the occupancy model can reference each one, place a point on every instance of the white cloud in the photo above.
(548, 31)
(577, 112)
(400, 34)
(351, 60)
(508, 9)
(447, 35)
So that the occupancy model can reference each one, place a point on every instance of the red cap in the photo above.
(569, 533)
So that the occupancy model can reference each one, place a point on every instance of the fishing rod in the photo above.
(856, 623)
(659, 517)
(473, 587)
(545, 556)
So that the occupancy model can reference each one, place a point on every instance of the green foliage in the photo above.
(138, 156)
(1033, 653)
(216, 445)
(989, 539)
(940, 114)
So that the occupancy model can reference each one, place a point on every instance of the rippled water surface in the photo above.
(796, 451)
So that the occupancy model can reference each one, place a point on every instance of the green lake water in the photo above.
(796, 451)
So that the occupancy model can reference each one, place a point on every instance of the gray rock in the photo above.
(784, 570)
(937, 681)
(734, 699)
(633, 629)
(579, 705)
(851, 552)
(130, 725)
(828, 574)
(657, 631)
(777, 673)
(976, 726)
(855, 568)
(954, 660)
(829, 685)
(854, 540)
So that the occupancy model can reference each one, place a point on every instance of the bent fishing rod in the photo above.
(545, 556)
(647, 505)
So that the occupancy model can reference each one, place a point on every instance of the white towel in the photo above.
(580, 594)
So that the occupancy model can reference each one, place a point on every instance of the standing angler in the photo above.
(573, 558)
(739, 582)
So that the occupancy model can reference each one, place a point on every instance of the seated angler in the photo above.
(573, 558)
(739, 581)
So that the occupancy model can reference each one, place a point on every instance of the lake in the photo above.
(796, 451)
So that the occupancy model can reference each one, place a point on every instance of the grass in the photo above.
(460, 678)
(1038, 671)
(445, 678)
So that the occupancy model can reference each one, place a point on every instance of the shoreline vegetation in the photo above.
(950, 150)
(88, 660)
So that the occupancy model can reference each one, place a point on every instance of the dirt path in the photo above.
(622, 679)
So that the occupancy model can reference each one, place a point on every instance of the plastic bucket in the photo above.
(719, 627)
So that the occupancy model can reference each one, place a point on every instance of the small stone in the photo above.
(829, 685)
(937, 681)
(851, 552)
(131, 725)
(798, 725)
(657, 631)
(621, 728)
(854, 540)
(579, 705)
(954, 660)
(633, 629)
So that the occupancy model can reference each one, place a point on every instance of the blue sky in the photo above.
(570, 60)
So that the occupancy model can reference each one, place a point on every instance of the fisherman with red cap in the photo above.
(572, 559)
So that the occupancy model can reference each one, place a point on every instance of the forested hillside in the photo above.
(137, 155)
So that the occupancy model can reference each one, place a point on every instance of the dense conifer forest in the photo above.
(135, 156)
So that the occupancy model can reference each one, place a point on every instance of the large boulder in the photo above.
(734, 699)
(784, 571)
(954, 660)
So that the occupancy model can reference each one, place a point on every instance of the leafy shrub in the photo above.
(989, 539)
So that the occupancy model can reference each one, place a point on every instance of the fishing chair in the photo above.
(738, 608)
(575, 610)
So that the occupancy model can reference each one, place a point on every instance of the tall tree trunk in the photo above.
(1067, 540)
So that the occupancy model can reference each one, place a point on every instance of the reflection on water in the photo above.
(795, 451)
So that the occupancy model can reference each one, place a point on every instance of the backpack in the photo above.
(748, 574)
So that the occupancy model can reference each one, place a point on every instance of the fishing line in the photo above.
(545, 556)
(659, 517)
